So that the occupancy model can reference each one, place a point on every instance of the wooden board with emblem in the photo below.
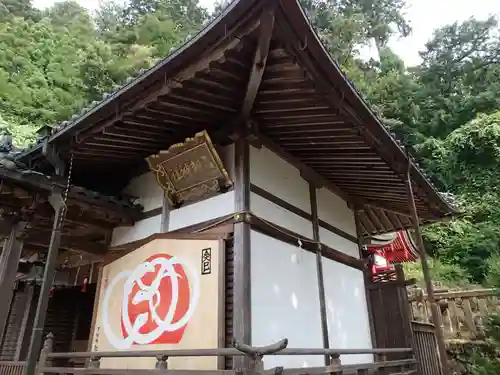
(190, 171)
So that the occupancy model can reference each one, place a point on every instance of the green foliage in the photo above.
(23, 134)
(345, 25)
(486, 362)
(493, 275)
(447, 274)
(53, 65)
(468, 165)
(18, 8)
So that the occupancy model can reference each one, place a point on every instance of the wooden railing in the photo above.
(462, 312)
(254, 360)
(11, 368)
(425, 348)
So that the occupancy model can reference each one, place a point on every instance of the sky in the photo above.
(423, 15)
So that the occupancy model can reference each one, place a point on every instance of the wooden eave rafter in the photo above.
(266, 67)
(89, 219)
(39, 243)
(293, 25)
(33, 185)
(266, 27)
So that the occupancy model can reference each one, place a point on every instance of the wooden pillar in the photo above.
(242, 315)
(435, 312)
(319, 270)
(58, 204)
(5, 244)
(10, 259)
(366, 277)
(24, 334)
(165, 215)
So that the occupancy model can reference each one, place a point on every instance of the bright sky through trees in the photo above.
(424, 16)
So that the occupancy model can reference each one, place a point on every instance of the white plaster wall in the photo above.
(338, 242)
(334, 211)
(141, 229)
(201, 211)
(275, 214)
(285, 299)
(150, 195)
(347, 312)
(147, 190)
(275, 175)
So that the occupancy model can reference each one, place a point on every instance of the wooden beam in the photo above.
(242, 314)
(396, 158)
(366, 277)
(307, 172)
(260, 58)
(290, 237)
(78, 197)
(23, 338)
(165, 215)
(319, 270)
(11, 255)
(48, 277)
(370, 203)
(201, 64)
(67, 243)
(435, 310)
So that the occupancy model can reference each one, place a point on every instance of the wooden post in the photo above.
(94, 362)
(366, 277)
(335, 361)
(10, 258)
(161, 362)
(23, 338)
(165, 215)
(242, 315)
(319, 270)
(48, 276)
(46, 350)
(435, 311)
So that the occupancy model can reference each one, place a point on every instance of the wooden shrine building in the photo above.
(224, 193)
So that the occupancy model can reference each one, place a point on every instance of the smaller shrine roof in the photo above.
(89, 219)
(396, 247)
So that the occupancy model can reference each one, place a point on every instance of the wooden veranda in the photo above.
(50, 362)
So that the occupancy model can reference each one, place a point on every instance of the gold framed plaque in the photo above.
(190, 171)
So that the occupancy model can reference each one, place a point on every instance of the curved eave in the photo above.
(329, 70)
(211, 35)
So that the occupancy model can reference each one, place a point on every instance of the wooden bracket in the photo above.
(266, 28)
(56, 200)
(52, 155)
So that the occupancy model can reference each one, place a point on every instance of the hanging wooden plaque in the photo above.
(190, 171)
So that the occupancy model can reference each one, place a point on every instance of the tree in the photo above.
(383, 19)
(461, 75)
(18, 8)
(51, 69)
(469, 168)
